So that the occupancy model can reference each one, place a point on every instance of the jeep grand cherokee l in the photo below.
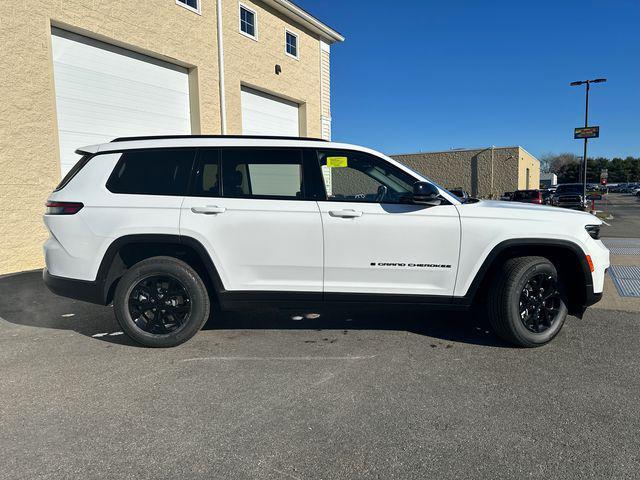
(164, 227)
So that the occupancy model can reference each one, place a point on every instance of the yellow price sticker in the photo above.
(337, 162)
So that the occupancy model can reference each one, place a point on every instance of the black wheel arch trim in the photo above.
(109, 272)
(100, 290)
(589, 296)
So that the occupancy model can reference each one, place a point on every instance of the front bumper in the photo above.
(592, 298)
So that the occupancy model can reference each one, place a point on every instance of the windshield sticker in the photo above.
(337, 162)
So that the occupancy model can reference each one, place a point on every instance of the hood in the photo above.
(526, 211)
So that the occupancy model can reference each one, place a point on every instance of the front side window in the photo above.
(291, 40)
(352, 176)
(152, 172)
(262, 173)
(247, 21)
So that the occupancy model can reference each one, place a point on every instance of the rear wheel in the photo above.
(161, 302)
(526, 304)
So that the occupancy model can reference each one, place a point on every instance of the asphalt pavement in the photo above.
(343, 396)
(625, 209)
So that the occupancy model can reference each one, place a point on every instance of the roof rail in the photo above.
(168, 137)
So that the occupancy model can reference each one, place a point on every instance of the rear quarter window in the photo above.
(73, 172)
(152, 172)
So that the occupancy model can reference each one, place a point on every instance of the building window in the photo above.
(193, 5)
(248, 22)
(291, 44)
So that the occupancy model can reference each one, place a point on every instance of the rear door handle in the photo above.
(209, 210)
(348, 213)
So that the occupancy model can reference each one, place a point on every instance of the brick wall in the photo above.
(472, 169)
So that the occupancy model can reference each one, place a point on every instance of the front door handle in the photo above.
(209, 210)
(348, 213)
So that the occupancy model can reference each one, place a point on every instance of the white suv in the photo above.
(165, 226)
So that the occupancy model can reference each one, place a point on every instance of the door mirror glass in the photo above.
(425, 193)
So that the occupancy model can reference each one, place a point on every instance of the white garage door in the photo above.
(103, 92)
(264, 114)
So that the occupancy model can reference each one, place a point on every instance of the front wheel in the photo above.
(161, 302)
(526, 304)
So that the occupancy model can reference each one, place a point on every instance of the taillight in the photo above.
(63, 208)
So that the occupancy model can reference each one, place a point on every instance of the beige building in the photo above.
(483, 172)
(80, 72)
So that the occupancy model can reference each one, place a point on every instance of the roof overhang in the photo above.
(304, 18)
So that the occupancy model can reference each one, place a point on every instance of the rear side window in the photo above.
(73, 172)
(153, 172)
(262, 173)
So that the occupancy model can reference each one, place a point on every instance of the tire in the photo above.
(170, 294)
(508, 300)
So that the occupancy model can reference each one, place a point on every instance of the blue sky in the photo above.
(434, 75)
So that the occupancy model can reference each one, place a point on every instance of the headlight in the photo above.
(593, 231)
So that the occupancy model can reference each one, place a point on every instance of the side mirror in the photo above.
(425, 193)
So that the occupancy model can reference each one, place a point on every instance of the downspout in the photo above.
(491, 193)
(223, 103)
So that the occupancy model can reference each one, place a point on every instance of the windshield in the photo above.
(570, 188)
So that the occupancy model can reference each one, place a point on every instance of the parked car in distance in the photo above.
(569, 195)
(546, 195)
(461, 194)
(507, 196)
(165, 228)
(629, 188)
(528, 196)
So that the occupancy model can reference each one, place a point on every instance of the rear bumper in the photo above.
(92, 292)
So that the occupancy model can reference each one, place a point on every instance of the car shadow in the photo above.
(26, 301)
(448, 325)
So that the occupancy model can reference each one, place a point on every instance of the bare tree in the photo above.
(553, 163)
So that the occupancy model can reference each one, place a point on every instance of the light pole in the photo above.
(586, 124)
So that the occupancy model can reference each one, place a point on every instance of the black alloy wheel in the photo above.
(540, 303)
(526, 302)
(159, 304)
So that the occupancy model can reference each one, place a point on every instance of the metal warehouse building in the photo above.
(483, 172)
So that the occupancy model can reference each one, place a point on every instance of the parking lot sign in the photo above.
(586, 132)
